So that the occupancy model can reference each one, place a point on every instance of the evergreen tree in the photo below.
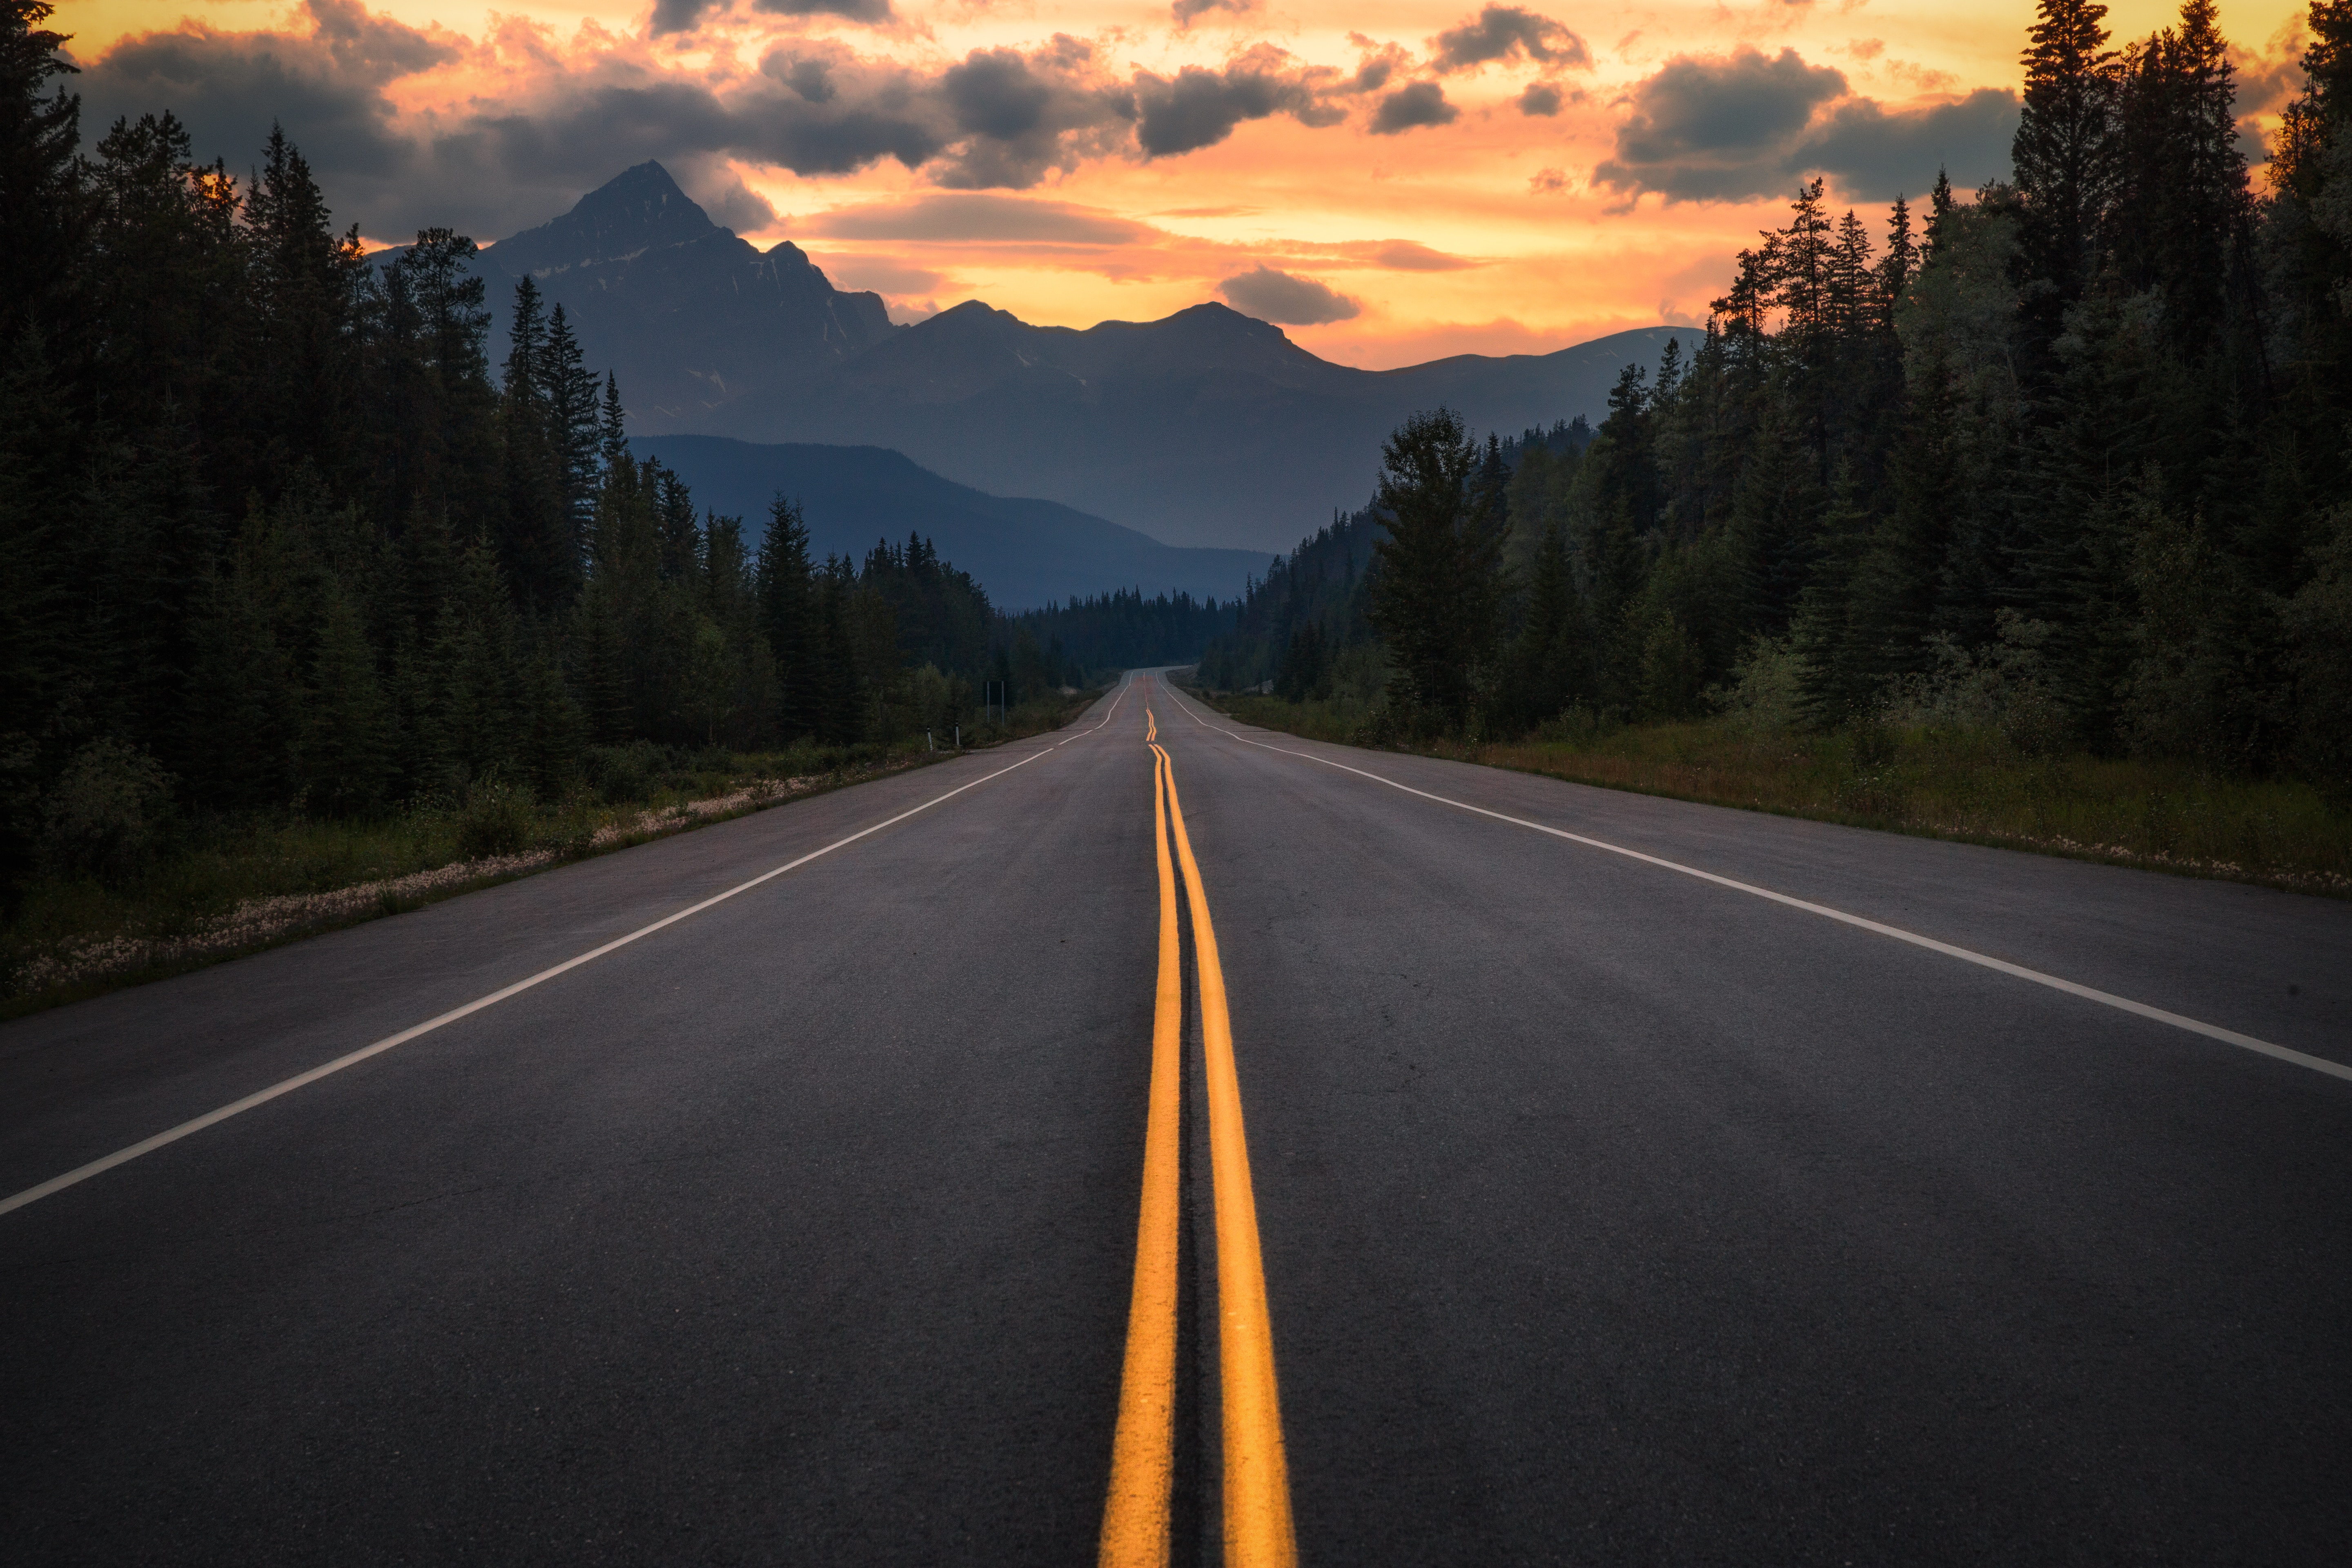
(346, 741)
(42, 211)
(788, 617)
(2064, 155)
(1438, 597)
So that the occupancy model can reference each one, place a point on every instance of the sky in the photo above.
(1391, 182)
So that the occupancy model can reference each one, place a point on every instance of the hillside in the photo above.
(1025, 552)
(1208, 428)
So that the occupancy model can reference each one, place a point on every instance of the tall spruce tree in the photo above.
(2065, 157)
(1438, 597)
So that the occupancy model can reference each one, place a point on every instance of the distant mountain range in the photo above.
(1025, 552)
(1206, 428)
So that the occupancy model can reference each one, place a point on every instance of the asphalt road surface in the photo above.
(1608, 1213)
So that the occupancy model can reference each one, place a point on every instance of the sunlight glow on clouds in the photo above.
(1391, 180)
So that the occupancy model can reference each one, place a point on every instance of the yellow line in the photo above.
(1135, 1529)
(1258, 1531)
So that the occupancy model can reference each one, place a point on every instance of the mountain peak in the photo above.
(634, 211)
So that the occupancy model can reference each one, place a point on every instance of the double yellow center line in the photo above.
(1256, 1481)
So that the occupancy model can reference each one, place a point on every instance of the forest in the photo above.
(2064, 460)
(284, 534)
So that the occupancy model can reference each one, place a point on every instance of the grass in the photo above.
(224, 887)
(1942, 782)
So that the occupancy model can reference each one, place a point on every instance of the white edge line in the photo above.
(262, 1097)
(2124, 1004)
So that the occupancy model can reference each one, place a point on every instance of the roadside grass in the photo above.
(1938, 782)
(223, 887)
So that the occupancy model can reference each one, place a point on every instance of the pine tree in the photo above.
(2064, 155)
(44, 215)
(536, 545)
(2181, 203)
(301, 378)
(1900, 265)
(1550, 661)
(1438, 597)
(788, 619)
(612, 430)
(577, 436)
(345, 747)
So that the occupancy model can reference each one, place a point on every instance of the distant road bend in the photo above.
(1169, 1141)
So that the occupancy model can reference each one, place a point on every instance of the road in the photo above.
(1606, 1213)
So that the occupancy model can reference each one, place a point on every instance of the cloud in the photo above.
(883, 274)
(684, 16)
(1499, 32)
(326, 85)
(679, 16)
(1547, 182)
(1876, 153)
(1022, 115)
(1184, 11)
(1748, 124)
(872, 12)
(975, 217)
(411, 126)
(1291, 301)
(1407, 256)
(1413, 104)
(1717, 129)
(739, 207)
(1200, 108)
(1540, 97)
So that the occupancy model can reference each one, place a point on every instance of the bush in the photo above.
(498, 819)
(107, 816)
(1766, 691)
(622, 775)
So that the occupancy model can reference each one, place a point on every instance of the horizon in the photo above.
(487, 245)
(1389, 186)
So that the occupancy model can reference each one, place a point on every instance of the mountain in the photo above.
(1025, 552)
(1206, 428)
(689, 316)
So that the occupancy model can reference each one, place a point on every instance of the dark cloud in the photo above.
(1717, 129)
(1021, 115)
(812, 80)
(1540, 97)
(326, 88)
(1414, 104)
(964, 217)
(1200, 108)
(872, 12)
(1499, 32)
(1291, 301)
(1749, 125)
(996, 119)
(736, 205)
(1878, 153)
(1183, 11)
(679, 16)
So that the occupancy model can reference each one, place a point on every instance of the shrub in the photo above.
(107, 815)
(622, 775)
(497, 819)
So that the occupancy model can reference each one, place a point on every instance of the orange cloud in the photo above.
(1466, 175)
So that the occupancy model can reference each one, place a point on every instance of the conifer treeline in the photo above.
(2085, 438)
(272, 535)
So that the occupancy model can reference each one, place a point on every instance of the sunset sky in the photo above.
(1393, 182)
